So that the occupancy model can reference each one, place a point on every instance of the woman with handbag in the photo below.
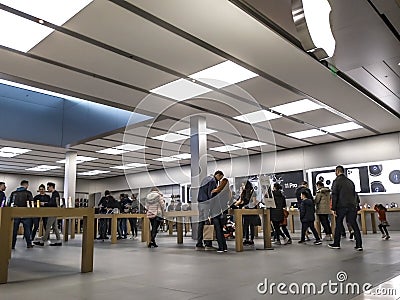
(155, 208)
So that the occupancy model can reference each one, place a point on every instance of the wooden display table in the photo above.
(179, 215)
(266, 223)
(363, 212)
(114, 223)
(6, 228)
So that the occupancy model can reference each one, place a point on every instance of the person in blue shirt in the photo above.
(205, 194)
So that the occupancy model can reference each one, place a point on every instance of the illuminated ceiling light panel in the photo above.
(249, 144)
(112, 151)
(130, 166)
(223, 74)
(341, 127)
(79, 159)
(182, 156)
(170, 137)
(226, 148)
(257, 116)
(180, 89)
(187, 131)
(93, 173)
(130, 147)
(166, 159)
(22, 34)
(306, 133)
(43, 168)
(296, 107)
(12, 152)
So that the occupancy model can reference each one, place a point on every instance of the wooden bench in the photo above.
(6, 228)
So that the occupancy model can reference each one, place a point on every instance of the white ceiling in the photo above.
(111, 54)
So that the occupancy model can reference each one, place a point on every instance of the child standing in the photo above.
(307, 218)
(381, 210)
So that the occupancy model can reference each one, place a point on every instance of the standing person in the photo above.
(381, 210)
(122, 228)
(323, 208)
(43, 199)
(19, 198)
(106, 204)
(248, 199)
(307, 217)
(219, 204)
(205, 194)
(3, 198)
(302, 188)
(344, 204)
(284, 227)
(277, 215)
(155, 207)
(51, 221)
(133, 221)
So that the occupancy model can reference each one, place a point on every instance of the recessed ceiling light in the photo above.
(130, 166)
(180, 89)
(249, 144)
(24, 34)
(79, 159)
(187, 131)
(166, 159)
(43, 168)
(182, 156)
(257, 116)
(12, 152)
(296, 107)
(306, 133)
(112, 151)
(130, 147)
(226, 148)
(341, 127)
(170, 137)
(93, 172)
(223, 74)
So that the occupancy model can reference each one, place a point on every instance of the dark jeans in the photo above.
(204, 210)
(304, 227)
(218, 222)
(286, 231)
(35, 224)
(155, 222)
(383, 228)
(133, 223)
(248, 227)
(122, 228)
(103, 228)
(351, 217)
(27, 223)
(324, 219)
(277, 230)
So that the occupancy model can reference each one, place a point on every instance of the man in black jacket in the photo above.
(106, 205)
(302, 188)
(3, 198)
(19, 198)
(344, 204)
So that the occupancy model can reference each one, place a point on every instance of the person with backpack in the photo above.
(19, 198)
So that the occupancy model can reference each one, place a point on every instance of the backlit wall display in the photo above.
(381, 177)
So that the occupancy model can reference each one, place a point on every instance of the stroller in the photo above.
(229, 228)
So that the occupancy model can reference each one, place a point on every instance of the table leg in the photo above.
(238, 230)
(78, 231)
(143, 230)
(6, 227)
(114, 225)
(373, 222)
(363, 222)
(267, 229)
(66, 229)
(292, 223)
(146, 230)
(179, 229)
(170, 227)
(87, 244)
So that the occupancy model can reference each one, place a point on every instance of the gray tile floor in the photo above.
(129, 270)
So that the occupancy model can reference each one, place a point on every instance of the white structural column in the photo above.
(70, 178)
(198, 150)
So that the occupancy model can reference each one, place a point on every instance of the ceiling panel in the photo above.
(285, 125)
(354, 133)
(320, 118)
(323, 139)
